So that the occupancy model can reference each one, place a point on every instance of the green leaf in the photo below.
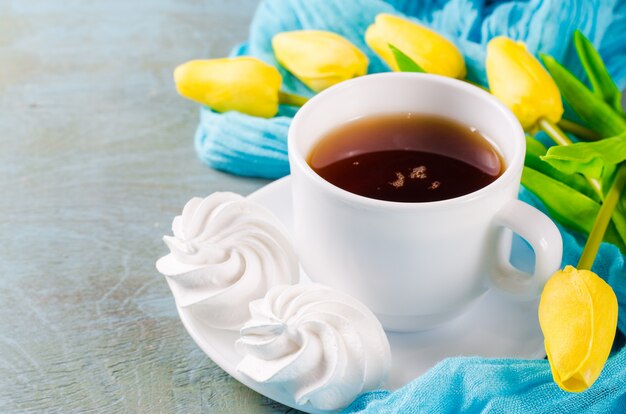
(596, 113)
(534, 147)
(588, 158)
(566, 205)
(607, 177)
(601, 81)
(405, 63)
(535, 150)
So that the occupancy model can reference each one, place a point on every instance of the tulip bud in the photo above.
(431, 51)
(243, 84)
(319, 59)
(578, 317)
(517, 79)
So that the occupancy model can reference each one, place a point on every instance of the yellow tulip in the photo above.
(578, 317)
(517, 78)
(319, 59)
(431, 51)
(243, 84)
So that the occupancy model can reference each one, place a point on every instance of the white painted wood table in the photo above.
(96, 157)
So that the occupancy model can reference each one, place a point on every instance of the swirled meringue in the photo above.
(226, 251)
(320, 345)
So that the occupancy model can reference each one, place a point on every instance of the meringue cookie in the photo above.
(226, 251)
(320, 345)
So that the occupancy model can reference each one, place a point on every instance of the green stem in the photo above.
(603, 219)
(556, 133)
(559, 137)
(578, 130)
(291, 99)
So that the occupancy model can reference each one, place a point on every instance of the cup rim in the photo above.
(298, 160)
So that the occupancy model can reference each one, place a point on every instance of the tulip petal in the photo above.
(431, 51)
(578, 316)
(517, 79)
(243, 84)
(318, 58)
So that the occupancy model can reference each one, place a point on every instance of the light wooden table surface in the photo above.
(96, 157)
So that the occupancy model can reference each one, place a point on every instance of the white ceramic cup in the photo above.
(416, 265)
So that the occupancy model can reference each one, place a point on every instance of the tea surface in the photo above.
(407, 158)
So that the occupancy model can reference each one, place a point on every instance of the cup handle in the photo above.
(544, 238)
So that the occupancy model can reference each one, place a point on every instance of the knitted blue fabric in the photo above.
(252, 146)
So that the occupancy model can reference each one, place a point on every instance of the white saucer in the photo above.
(494, 327)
